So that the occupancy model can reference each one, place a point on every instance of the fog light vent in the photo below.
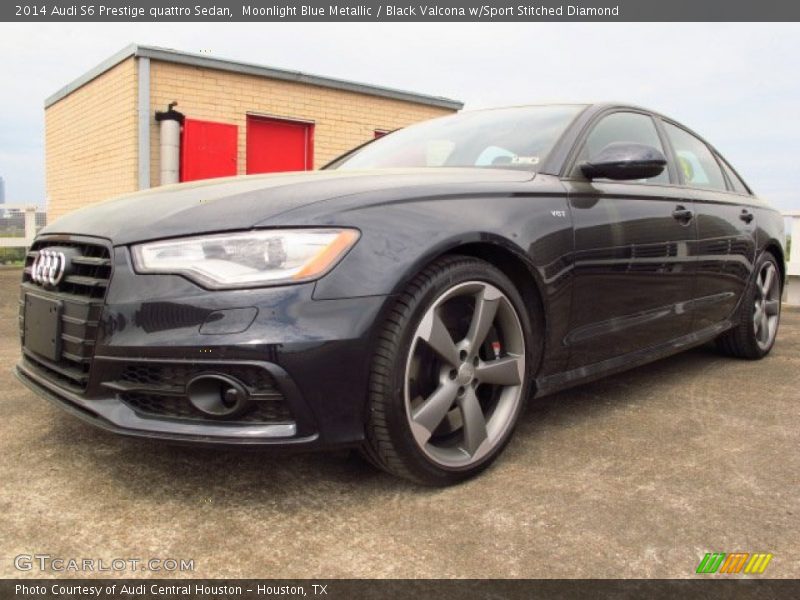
(218, 396)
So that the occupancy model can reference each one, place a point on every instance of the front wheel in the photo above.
(758, 316)
(450, 373)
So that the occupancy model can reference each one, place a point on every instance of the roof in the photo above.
(222, 64)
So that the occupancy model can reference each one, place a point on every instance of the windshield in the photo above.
(517, 138)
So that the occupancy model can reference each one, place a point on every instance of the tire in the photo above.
(758, 316)
(442, 407)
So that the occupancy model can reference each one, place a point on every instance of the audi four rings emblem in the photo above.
(49, 267)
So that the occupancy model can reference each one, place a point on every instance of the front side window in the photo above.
(624, 127)
(695, 160)
(507, 138)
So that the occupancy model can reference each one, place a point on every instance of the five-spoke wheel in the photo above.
(464, 373)
(451, 372)
(755, 324)
(767, 305)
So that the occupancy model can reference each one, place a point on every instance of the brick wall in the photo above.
(91, 142)
(91, 139)
(342, 120)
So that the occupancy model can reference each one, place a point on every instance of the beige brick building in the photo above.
(102, 136)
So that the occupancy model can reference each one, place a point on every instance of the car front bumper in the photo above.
(113, 414)
(308, 359)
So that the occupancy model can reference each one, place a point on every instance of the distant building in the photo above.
(12, 221)
(115, 130)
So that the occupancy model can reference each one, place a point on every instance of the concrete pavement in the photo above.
(637, 475)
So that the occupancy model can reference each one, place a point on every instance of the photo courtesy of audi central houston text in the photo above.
(410, 297)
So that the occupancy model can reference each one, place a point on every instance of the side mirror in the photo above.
(624, 160)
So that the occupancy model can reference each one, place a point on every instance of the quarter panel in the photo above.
(770, 228)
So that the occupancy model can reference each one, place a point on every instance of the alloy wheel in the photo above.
(767, 305)
(464, 374)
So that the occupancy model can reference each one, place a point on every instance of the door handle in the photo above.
(746, 216)
(682, 214)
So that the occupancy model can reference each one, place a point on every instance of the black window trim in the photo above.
(724, 164)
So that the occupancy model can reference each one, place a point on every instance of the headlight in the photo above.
(248, 259)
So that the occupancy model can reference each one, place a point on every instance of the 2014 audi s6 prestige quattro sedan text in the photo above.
(408, 298)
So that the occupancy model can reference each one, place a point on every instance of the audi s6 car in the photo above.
(411, 296)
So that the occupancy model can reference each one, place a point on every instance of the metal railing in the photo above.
(30, 227)
(792, 289)
(793, 265)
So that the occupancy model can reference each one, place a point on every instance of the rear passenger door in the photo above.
(725, 227)
(633, 267)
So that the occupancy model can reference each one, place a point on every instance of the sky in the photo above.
(735, 84)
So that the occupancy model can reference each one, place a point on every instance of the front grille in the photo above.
(81, 294)
(90, 273)
(157, 390)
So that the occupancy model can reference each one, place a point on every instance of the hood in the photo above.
(247, 201)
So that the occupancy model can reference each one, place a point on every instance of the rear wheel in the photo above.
(758, 315)
(450, 373)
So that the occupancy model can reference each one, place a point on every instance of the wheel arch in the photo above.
(513, 266)
(774, 248)
(512, 262)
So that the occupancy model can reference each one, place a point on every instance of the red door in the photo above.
(276, 145)
(208, 150)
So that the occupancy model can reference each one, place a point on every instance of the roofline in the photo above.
(108, 64)
(232, 66)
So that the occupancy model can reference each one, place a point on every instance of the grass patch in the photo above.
(14, 257)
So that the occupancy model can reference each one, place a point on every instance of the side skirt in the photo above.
(560, 381)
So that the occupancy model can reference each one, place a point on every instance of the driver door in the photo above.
(634, 263)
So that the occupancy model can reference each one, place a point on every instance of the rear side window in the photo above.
(738, 185)
(624, 127)
(695, 160)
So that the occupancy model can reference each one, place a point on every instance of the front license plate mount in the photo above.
(43, 326)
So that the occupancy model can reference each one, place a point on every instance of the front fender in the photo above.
(399, 239)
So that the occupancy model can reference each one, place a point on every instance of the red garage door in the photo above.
(276, 145)
(208, 150)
